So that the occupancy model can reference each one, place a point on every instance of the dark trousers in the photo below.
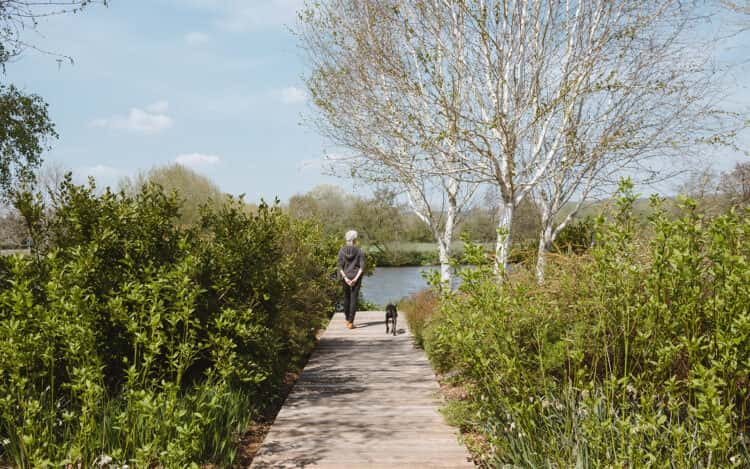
(350, 300)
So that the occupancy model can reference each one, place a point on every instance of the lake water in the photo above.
(390, 284)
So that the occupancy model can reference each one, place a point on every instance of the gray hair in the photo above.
(350, 236)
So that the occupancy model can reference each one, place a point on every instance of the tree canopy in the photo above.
(193, 190)
(25, 126)
(25, 132)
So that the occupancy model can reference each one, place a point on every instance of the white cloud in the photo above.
(197, 160)
(293, 95)
(196, 38)
(151, 121)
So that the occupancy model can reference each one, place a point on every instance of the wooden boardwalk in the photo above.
(364, 400)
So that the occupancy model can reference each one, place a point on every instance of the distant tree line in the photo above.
(384, 220)
(194, 194)
(387, 225)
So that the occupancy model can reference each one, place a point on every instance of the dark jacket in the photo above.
(351, 259)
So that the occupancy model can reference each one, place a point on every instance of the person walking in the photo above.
(351, 266)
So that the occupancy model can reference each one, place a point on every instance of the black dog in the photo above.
(391, 315)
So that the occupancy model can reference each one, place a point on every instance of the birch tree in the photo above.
(556, 90)
(645, 108)
(490, 84)
(528, 63)
(376, 101)
(516, 93)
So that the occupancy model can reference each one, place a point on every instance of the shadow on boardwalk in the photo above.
(365, 399)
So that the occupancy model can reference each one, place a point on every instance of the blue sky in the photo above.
(214, 84)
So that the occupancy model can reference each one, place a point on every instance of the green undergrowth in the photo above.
(636, 354)
(128, 340)
(419, 308)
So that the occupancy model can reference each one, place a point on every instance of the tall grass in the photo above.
(419, 308)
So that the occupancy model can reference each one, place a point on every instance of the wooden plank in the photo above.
(364, 400)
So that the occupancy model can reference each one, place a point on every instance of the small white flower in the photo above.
(103, 460)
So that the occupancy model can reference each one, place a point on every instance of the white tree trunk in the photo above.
(545, 241)
(445, 264)
(444, 243)
(444, 238)
(502, 246)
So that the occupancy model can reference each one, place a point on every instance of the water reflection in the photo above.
(390, 284)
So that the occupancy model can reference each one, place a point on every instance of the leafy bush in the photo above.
(577, 237)
(635, 356)
(127, 338)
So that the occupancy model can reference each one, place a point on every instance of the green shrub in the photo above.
(635, 356)
(130, 338)
(577, 237)
(404, 256)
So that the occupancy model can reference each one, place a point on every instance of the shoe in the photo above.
(350, 325)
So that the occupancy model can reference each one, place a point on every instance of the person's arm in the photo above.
(347, 280)
(341, 266)
(361, 262)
